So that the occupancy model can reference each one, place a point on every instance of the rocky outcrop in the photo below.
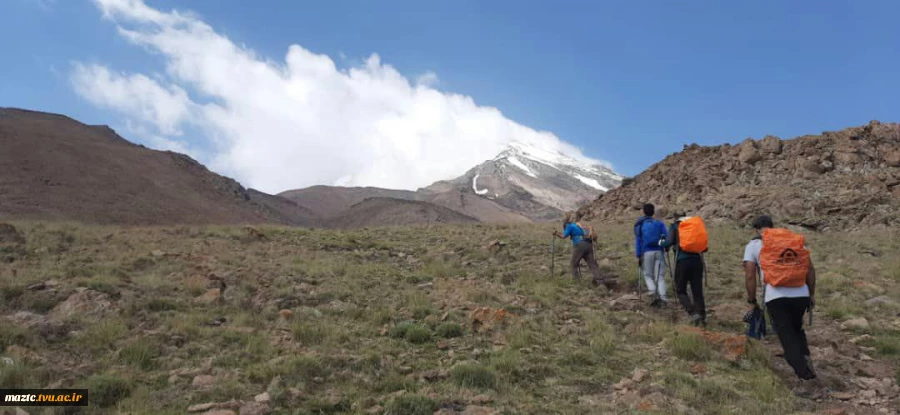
(836, 180)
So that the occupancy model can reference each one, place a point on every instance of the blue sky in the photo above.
(627, 82)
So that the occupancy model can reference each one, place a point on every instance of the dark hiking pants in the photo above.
(690, 271)
(787, 318)
(584, 250)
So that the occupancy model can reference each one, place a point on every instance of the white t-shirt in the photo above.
(751, 253)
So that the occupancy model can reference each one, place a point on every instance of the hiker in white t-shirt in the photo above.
(789, 292)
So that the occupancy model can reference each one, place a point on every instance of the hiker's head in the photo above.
(570, 217)
(762, 222)
(649, 209)
(578, 216)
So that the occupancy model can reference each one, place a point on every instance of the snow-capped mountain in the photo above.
(531, 181)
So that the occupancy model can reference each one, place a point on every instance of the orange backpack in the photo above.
(784, 259)
(692, 236)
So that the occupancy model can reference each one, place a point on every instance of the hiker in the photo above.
(784, 264)
(647, 234)
(583, 245)
(689, 265)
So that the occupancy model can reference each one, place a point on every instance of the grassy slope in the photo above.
(348, 348)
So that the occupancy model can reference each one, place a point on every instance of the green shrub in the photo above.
(411, 405)
(107, 390)
(473, 376)
(690, 347)
(449, 330)
(399, 330)
(418, 334)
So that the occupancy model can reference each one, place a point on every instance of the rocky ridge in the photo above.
(840, 180)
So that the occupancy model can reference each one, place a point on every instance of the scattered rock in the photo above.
(880, 300)
(863, 338)
(865, 358)
(286, 314)
(834, 411)
(482, 400)
(639, 375)
(495, 244)
(733, 346)
(479, 410)
(263, 397)
(157, 253)
(20, 353)
(771, 144)
(203, 381)
(625, 302)
(211, 296)
(484, 318)
(83, 302)
(749, 153)
(624, 384)
(435, 375)
(10, 235)
(856, 323)
(443, 345)
(201, 407)
(220, 412)
(255, 408)
(425, 285)
(645, 406)
(377, 409)
(593, 400)
(843, 396)
(698, 369)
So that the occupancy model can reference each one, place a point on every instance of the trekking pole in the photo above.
(552, 256)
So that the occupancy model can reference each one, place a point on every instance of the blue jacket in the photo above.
(647, 233)
(575, 232)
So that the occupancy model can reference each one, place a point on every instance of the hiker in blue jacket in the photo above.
(583, 248)
(647, 234)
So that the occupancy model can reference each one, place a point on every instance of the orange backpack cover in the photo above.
(692, 235)
(784, 259)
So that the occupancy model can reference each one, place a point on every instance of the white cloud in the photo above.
(136, 95)
(427, 79)
(302, 122)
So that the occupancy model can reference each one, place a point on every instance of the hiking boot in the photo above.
(809, 389)
(812, 372)
(696, 319)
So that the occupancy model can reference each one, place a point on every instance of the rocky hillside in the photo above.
(384, 211)
(53, 167)
(834, 180)
(329, 201)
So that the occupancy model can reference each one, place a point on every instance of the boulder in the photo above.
(255, 408)
(10, 235)
(749, 152)
(83, 302)
(771, 145)
(855, 323)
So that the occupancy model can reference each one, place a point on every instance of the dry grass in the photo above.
(371, 306)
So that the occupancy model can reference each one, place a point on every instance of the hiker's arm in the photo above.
(811, 282)
(637, 243)
(750, 276)
(670, 238)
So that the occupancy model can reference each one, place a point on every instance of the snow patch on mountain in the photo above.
(475, 186)
(591, 182)
(516, 162)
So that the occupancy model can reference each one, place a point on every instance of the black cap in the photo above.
(763, 221)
